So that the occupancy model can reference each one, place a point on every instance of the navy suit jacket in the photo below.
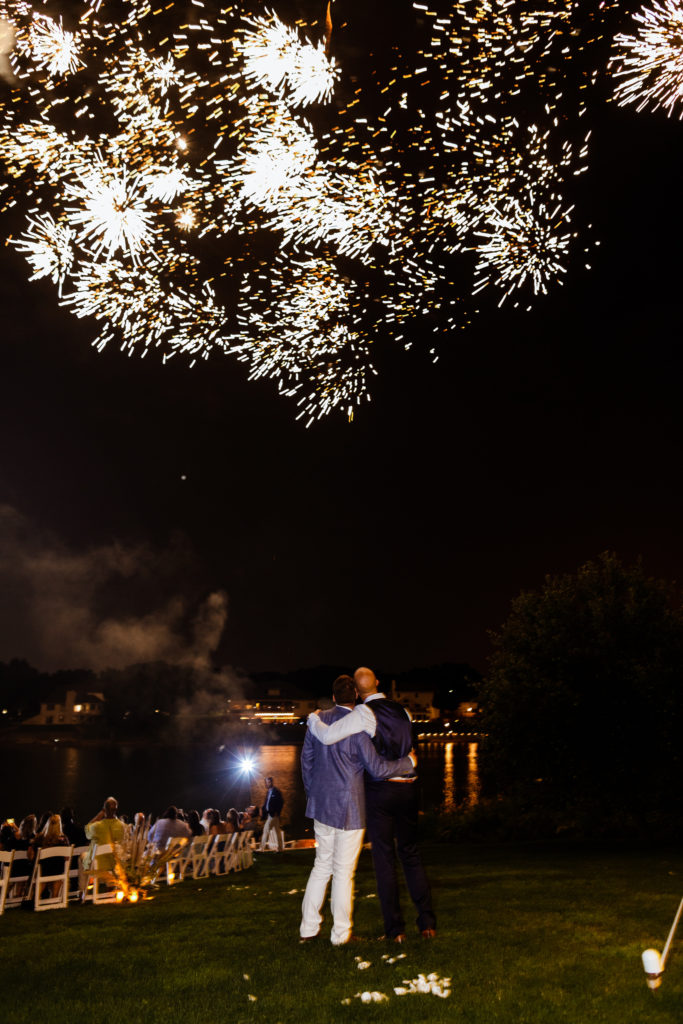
(333, 775)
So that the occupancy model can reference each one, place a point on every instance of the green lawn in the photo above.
(526, 934)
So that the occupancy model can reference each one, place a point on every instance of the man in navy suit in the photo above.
(392, 805)
(271, 811)
(333, 779)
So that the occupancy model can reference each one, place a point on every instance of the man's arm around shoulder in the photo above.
(377, 767)
(361, 719)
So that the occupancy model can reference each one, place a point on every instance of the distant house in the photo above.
(74, 709)
(420, 703)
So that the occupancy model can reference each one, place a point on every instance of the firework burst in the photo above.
(648, 64)
(202, 180)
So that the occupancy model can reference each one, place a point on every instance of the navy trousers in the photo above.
(391, 812)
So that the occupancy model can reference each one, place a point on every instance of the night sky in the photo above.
(538, 440)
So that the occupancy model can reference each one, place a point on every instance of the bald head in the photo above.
(366, 682)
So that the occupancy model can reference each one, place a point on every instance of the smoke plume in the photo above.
(107, 606)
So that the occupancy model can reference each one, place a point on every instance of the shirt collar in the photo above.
(375, 696)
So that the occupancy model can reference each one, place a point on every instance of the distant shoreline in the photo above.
(260, 735)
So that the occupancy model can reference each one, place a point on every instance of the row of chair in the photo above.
(210, 855)
(48, 889)
(39, 880)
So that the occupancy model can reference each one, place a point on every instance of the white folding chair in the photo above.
(176, 862)
(197, 860)
(18, 886)
(48, 876)
(245, 851)
(75, 891)
(6, 858)
(103, 889)
(232, 855)
(217, 857)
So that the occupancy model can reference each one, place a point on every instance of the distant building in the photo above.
(280, 705)
(75, 709)
(420, 703)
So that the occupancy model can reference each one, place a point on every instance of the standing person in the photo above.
(271, 811)
(333, 779)
(392, 805)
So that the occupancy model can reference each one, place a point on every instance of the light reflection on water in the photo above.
(44, 777)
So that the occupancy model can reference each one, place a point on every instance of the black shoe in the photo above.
(308, 938)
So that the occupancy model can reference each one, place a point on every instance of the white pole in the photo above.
(674, 926)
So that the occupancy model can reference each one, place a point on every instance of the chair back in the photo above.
(177, 850)
(104, 888)
(245, 850)
(76, 873)
(231, 856)
(18, 886)
(197, 861)
(6, 858)
(217, 856)
(51, 878)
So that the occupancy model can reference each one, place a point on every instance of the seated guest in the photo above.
(8, 836)
(22, 869)
(105, 828)
(216, 827)
(52, 835)
(168, 827)
(74, 832)
(232, 821)
(27, 832)
(196, 827)
(249, 822)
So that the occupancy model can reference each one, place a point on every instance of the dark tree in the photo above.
(583, 697)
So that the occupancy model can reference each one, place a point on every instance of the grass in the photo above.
(528, 935)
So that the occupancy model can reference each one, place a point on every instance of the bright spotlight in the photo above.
(247, 765)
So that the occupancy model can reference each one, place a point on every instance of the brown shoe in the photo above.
(428, 933)
(400, 938)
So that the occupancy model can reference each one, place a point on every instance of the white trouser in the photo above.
(272, 823)
(336, 857)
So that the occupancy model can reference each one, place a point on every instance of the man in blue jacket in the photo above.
(271, 811)
(333, 780)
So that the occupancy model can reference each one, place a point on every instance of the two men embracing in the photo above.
(358, 758)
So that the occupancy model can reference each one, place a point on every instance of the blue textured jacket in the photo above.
(333, 776)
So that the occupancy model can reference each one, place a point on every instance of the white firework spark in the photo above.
(112, 213)
(275, 59)
(648, 65)
(521, 244)
(53, 48)
(49, 248)
(164, 184)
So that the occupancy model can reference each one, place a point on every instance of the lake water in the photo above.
(43, 777)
